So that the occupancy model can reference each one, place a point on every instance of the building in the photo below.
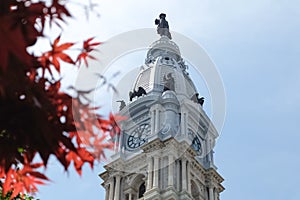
(165, 150)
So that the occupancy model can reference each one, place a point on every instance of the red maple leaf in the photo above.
(110, 125)
(23, 180)
(100, 144)
(33, 106)
(88, 47)
(55, 54)
(56, 11)
(79, 158)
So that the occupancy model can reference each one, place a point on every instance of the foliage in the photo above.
(18, 197)
(36, 116)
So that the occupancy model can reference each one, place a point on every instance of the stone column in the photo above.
(185, 122)
(130, 196)
(182, 123)
(171, 171)
(117, 188)
(150, 174)
(211, 193)
(153, 122)
(184, 180)
(216, 195)
(118, 143)
(189, 178)
(156, 121)
(106, 192)
(178, 174)
(111, 189)
(209, 151)
(156, 167)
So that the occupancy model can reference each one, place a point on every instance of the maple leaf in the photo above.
(23, 180)
(100, 144)
(86, 156)
(88, 47)
(111, 124)
(76, 135)
(79, 158)
(32, 105)
(78, 163)
(56, 12)
(53, 56)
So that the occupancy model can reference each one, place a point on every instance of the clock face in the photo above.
(139, 136)
(196, 142)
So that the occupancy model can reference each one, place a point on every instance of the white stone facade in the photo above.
(165, 148)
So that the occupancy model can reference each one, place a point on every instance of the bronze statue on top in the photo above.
(163, 26)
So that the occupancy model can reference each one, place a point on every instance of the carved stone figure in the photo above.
(169, 83)
(122, 105)
(140, 92)
(201, 101)
(196, 99)
(163, 26)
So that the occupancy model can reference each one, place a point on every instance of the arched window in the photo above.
(142, 190)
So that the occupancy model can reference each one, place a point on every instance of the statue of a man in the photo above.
(163, 26)
(168, 81)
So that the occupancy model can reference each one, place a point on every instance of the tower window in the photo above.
(142, 190)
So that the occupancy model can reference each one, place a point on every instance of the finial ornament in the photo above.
(163, 26)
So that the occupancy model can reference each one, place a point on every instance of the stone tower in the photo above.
(164, 151)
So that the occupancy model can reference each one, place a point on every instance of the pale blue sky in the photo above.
(255, 46)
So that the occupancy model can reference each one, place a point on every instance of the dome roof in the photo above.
(165, 68)
(163, 46)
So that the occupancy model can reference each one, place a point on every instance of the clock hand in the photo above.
(140, 132)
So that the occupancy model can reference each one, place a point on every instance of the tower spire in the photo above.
(165, 146)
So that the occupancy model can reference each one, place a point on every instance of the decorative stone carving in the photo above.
(169, 83)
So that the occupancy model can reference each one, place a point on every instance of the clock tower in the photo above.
(165, 149)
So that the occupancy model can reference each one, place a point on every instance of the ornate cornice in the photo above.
(214, 179)
(154, 145)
